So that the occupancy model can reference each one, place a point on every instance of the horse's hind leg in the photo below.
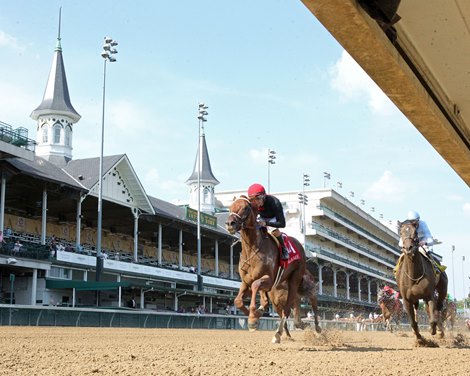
(264, 302)
(278, 333)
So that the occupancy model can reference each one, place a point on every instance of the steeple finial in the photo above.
(58, 47)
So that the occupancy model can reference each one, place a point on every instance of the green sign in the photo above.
(206, 219)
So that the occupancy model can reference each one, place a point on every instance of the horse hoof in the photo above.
(252, 326)
(318, 329)
(276, 338)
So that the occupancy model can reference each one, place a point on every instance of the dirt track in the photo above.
(98, 351)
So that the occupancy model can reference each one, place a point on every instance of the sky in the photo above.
(273, 78)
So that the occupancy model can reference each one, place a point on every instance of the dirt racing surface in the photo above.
(101, 351)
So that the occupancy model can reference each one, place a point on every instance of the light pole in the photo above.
(201, 113)
(453, 272)
(326, 176)
(107, 55)
(463, 281)
(271, 161)
(303, 200)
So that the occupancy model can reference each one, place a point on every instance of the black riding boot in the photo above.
(284, 252)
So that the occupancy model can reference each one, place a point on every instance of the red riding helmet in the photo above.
(256, 190)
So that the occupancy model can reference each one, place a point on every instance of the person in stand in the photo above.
(17, 247)
(270, 212)
(2, 241)
(132, 303)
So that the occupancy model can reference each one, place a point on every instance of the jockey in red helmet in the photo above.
(270, 212)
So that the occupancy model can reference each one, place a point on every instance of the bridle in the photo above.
(241, 219)
(410, 251)
(412, 241)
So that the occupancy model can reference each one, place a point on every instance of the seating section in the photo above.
(25, 231)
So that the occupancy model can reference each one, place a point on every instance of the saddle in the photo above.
(294, 254)
(438, 268)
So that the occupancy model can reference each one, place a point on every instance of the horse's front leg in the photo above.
(238, 301)
(264, 283)
(411, 310)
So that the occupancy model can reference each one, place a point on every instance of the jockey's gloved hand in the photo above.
(261, 222)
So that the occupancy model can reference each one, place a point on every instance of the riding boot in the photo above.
(284, 252)
(435, 262)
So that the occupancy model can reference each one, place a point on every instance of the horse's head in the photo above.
(242, 215)
(409, 237)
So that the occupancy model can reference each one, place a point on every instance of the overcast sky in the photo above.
(273, 78)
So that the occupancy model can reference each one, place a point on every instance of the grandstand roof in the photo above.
(41, 168)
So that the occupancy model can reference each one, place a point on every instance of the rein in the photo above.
(422, 268)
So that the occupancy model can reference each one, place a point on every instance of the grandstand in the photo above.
(48, 212)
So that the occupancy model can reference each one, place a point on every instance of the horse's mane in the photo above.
(407, 222)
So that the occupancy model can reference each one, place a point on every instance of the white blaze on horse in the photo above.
(260, 266)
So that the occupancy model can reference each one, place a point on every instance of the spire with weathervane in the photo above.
(55, 115)
(206, 178)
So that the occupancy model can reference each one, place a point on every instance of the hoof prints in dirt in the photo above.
(331, 338)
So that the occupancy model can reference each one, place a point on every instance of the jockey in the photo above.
(424, 235)
(270, 212)
(390, 292)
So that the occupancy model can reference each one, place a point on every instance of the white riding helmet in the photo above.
(412, 215)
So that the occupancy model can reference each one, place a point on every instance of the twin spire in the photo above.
(55, 115)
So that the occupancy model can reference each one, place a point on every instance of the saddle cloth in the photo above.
(294, 253)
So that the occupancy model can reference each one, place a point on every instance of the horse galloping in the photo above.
(259, 266)
(416, 280)
(449, 313)
(392, 309)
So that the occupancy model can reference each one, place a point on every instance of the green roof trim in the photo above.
(83, 285)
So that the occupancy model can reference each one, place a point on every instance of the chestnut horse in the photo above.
(416, 280)
(259, 266)
(307, 290)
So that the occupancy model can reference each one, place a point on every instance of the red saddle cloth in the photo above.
(294, 253)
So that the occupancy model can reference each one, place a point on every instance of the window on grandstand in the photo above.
(44, 135)
(61, 273)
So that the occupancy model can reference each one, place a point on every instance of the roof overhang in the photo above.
(425, 72)
(83, 285)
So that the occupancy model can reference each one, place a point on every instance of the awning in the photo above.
(83, 285)
(152, 287)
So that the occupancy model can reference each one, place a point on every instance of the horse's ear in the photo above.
(234, 198)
